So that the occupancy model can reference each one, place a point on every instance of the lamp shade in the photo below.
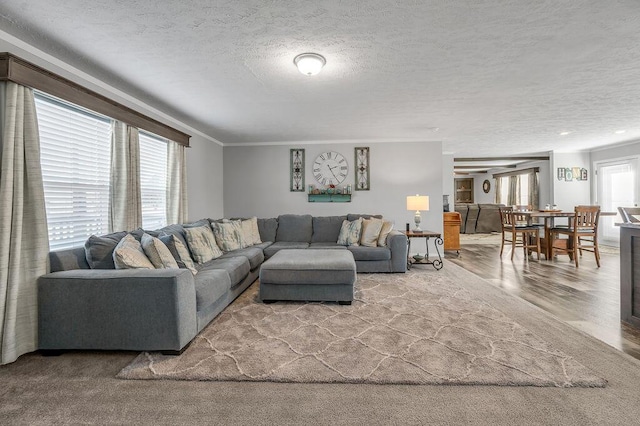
(417, 202)
(309, 63)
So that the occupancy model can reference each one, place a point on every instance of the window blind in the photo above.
(75, 158)
(153, 180)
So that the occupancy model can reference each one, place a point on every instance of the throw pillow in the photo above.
(202, 243)
(350, 233)
(370, 232)
(128, 254)
(229, 235)
(250, 232)
(157, 252)
(179, 251)
(387, 227)
(99, 250)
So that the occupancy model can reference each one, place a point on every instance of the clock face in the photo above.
(330, 168)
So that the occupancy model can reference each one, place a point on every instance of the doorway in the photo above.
(616, 186)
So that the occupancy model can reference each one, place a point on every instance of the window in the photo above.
(153, 180)
(75, 150)
(518, 188)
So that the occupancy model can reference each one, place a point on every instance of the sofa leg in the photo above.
(268, 301)
(175, 353)
(344, 302)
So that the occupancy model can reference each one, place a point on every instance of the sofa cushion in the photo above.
(228, 235)
(267, 229)
(99, 250)
(202, 243)
(179, 251)
(326, 245)
(157, 252)
(276, 247)
(370, 232)
(350, 233)
(237, 268)
(211, 285)
(128, 254)
(351, 216)
(387, 227)
(178, 231)
(255, 255)
(326, 228)
(294, 228)
(250, 231)
(370, 253)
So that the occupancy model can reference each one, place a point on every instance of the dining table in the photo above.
(549, 217)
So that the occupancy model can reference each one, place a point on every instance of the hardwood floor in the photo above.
(587, 297)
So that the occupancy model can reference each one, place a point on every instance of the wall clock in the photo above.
(486, 186)
(330, 168)
(362, 169)
(296, 179)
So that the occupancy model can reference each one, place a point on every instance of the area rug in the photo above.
(415, 328)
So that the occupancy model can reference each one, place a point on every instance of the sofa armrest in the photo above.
(397, 242)
(128, 309)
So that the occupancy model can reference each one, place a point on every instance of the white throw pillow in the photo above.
(370, 232)
(350, 232)
(128, 254)
(157, 252)
(202, 243)
(387, 227)
(250, 232)
(229, 235)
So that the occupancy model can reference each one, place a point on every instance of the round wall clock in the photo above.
(330, 168)
(486, 186)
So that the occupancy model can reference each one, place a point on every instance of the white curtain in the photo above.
(24, 241)
(125, 205)
(176, 183)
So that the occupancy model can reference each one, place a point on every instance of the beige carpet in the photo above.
(414, 328)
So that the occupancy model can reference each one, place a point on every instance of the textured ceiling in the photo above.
(495, 77)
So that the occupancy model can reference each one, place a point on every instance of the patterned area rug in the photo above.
(413, 328)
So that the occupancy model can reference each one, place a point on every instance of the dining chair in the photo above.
(581, 232)
(629, 214)
(518, 233)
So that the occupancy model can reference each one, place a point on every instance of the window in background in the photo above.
(153, 180)
(75, 155)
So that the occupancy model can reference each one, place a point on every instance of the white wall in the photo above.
(479, 196)
(204, 179)
(568, 194)
(256, 182)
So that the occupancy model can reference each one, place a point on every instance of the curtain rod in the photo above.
(518, 172)
(13, 68)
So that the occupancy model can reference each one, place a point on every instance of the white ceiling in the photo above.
(494, 77)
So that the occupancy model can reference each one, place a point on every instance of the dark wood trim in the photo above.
(517, 172)
(484, 166)
(13, 68)
(470, 159)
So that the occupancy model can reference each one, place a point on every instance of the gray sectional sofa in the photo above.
(164, 309)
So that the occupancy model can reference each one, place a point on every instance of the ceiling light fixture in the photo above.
(309, 63)
(564, 133)
(619, 132)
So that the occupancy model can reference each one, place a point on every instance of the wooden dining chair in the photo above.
(629, 214)
(582, 234)
(518, 234)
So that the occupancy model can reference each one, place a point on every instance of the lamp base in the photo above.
(417, 220)
(417, 231)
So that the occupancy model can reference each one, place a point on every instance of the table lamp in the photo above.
(417, 203)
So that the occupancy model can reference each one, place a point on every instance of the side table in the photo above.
(437, 263)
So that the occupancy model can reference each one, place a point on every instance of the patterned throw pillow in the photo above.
(370, 232)
(350, 232)
(387, 227)
(128, 254)
(229, 235)
(250, 232)
(202, 243)
(179, 251)
(157, 252)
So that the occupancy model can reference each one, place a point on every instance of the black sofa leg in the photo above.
(51, 352)
(344, 302)
(175, 353)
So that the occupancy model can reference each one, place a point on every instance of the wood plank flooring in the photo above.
(587, 297)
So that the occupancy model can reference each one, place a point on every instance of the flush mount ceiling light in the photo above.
(619, 132)
(564, 133)
(309, 63)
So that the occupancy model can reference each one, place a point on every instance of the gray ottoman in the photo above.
(308, 275)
